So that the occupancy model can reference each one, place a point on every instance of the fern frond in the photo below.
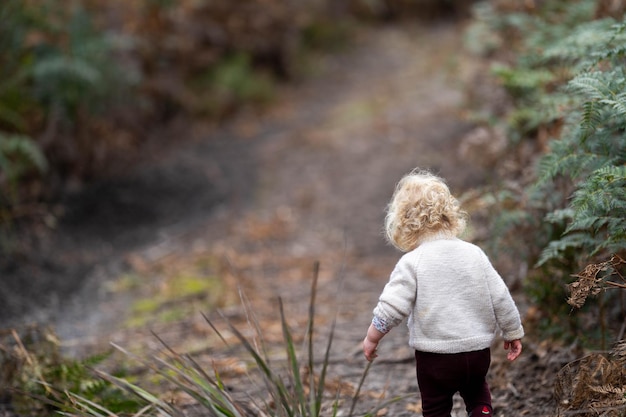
(18, 153)
(618, 103)
(615, 47)
(600, 210)
(596, 215)
(68, 69)
(586, 224)
(560, 216)
(556, 248)
(616, 241)
(611, 174)
(604, 87)
(580, 46)
(590, 119)
(522, 78)
(563, 160)
(603, 189)
(590, 85)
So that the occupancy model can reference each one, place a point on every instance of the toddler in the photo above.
(454, 299)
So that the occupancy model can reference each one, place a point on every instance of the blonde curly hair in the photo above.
(421, 206)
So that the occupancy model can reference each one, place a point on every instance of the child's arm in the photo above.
(370, 343)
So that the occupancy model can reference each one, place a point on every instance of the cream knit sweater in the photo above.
(454, 299)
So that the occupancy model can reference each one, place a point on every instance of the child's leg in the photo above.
(480, 406)
(475, 390)
(438, 382)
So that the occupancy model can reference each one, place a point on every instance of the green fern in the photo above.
(562, 216)
(79, 74)
(557, 248)
(603, 87)
(579, 48)
(42, 374)
(600, 208)
(562, 159)
(593, 157)
(520, 80)
(19, 156)
(566, 77)
(57, 78)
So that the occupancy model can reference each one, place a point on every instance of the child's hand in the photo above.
(516, 349)
(369, 349)
(370, 343)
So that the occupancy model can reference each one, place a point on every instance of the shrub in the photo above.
(565, 78)
(35, 376)
(57, 88)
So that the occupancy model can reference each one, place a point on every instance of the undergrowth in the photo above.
(86, 84)
(34, 373)
(596, 383)
(562, 69)
(58, 86)
(295, 385)
(561, 198)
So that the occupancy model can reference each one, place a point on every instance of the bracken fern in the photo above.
(565, 76)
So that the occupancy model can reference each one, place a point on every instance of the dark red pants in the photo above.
(440, 376)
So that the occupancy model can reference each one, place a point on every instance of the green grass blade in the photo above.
(331, 336)
(254, 323)
(314, 404)
(276, 388)
(216, 387)
(215, 329)
(336, 403)
(141, 393)
(273, 381)
(86, 405)
(293, 362)
(78, 405)
(201, 372)
(214, 399)
(322, 379)
(218, 379)
(358, 390)
(142, 411)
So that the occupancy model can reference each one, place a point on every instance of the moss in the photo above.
(178, 294)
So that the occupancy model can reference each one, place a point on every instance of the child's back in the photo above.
(454, 299)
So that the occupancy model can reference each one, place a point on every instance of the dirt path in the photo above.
(316, 170)
(270, 195)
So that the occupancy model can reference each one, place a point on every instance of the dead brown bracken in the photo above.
(594, 385)
(588, 282)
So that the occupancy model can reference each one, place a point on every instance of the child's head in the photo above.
(422, 205)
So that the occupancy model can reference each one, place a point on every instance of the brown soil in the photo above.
(271, 194)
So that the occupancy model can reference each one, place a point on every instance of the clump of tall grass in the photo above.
(297, 386)
(35, 379)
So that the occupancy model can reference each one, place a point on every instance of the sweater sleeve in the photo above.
(398, 297)
(507, 315)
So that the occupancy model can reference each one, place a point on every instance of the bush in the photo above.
(35, 376)
(57, 86)
(81, 82)
(565, 80)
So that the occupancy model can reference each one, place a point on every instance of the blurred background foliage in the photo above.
(83, 83)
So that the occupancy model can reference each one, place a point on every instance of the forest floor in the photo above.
(259, 201)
